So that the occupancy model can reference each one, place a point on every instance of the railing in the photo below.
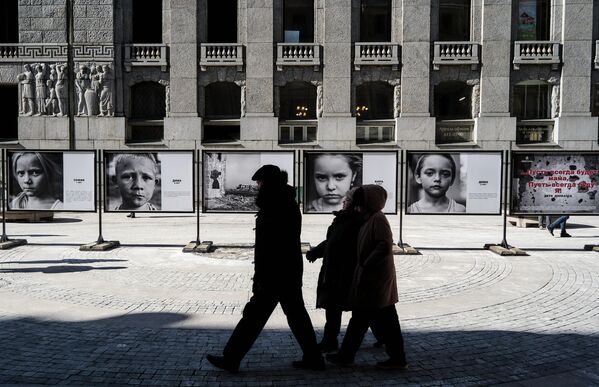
(537, 52)
(376, 54)
(454, 131)
(297, 131)
(375, 131)
(456, 53)
(24, 52)
(535, 132)
(298, 54)
(145, 55)
(221, 54)
(596, 54)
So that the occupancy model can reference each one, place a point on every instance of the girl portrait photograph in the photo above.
(435, 184)
(328, 178)
(133, 182)
(36, 181)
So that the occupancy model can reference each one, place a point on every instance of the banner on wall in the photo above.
(227, 177)
(329, 175)
(527, 20)
(51, 181)
(453, 183)
(149, 181)
(547, 183)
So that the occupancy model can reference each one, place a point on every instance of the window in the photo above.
(454, 20)
(453, 101)
(532, 100)
(298, 101)
(147, 112)
(9, 25)
(147, 21)
(222, 21)
(298, 21)
(375, 21)
(374, 101)
(9, 110)
(222, 112)
(534, 19)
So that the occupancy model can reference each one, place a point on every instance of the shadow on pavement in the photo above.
(143, 349)
(61, 269)
(71, 261)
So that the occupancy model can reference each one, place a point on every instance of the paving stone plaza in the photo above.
(147, 313)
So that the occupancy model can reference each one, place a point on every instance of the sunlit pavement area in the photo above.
(147, 313)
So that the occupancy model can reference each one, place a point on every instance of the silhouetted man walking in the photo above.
(278, 269)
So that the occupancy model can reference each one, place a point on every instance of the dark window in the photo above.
(375, 21)
(298, 21)
(223, 101)
(222, 21)
(145, 133)
(147, 21)
(374, 101)
(298, 101)
(453, 101)
(220, 133)
(9, 111)
(9, 24)
(454, 20)
(531, 100)
(148, 101)
(534, 19)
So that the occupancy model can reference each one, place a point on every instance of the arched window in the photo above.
(9, 25)
(223, 101)
(375, 21)
(222, 21)
(147, 21)
(374, 101)
(9, 111)
(298, 101)
(454, 20)
(453, 101)
(532, 100)
(534, 17)
(147, 111)
(298, 21)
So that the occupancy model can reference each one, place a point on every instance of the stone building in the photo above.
(299, 74)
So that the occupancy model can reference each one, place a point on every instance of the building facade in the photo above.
(299, 74)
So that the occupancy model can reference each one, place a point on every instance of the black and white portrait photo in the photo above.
(36, 181)
(227, 178)
(133, 182)
(328, 176)
(453, 182)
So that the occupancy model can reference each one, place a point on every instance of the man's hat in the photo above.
(267, 172)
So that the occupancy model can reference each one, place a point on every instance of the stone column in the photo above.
(415, 126)
(259, 123)
(575, 122)
(495, 126)
(336, 128)
(183, 125)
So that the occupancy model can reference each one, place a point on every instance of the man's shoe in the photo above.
(222, 363)
(339, 360)
(328, 346)
(317, 364)
(565, 235)
(392, 365)
(550, 229)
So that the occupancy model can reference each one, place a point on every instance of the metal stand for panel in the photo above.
(5, 242)
(504, 248)
(402, 248)
(197, 245)
(100, 244)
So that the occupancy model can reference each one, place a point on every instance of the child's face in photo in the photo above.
(333, 178)
(30, 175)
(136, 179)
(435, 175)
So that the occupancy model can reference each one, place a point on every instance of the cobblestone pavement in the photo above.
(149, 315)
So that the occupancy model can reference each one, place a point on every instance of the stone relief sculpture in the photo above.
(51, 106)
(167, 97)
(106, 79)
(475, 97)
(555, 97)
(61, 90)
(40, 90)
(396, 101)
(26, 79)
(91, 93)
(82, 83)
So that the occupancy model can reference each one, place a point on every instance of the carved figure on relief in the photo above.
(106, 105)
(82, 83)
(26, 79)
(40, 90)
(91, 94)
(61, 90)
(52, 101)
